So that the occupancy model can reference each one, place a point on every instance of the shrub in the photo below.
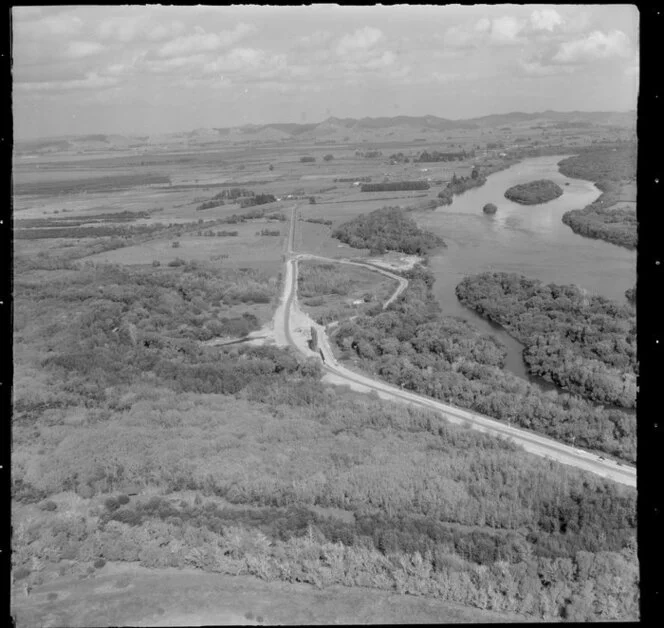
(175, 245)
(99, 563)
(111, 504)
(49, 505)
(156, 263)
(123, 499)
(489, 208)
(21, 572)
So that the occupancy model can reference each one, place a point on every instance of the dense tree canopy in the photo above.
(387, 229)
(584, 343)
(608, 167)
(410, 344)
(534, 193)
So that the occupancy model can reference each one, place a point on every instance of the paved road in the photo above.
(530, 441)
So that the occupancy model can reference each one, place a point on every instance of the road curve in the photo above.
(403, 283)
(530, 441)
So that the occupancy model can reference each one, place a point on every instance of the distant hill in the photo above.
(334, 129)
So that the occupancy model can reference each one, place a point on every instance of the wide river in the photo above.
(527, 239)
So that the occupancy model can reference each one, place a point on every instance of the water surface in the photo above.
(527, 239)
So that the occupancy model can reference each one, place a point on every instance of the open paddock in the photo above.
(329, 291)
(245, 249)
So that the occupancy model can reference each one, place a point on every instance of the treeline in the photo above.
(77, 221)
(387, 229)
(434, 156)
(210, 204)
(585, 344)
(352, 179)
(459, 185)
(318, 221)
(399, 158)
(257, 199)
(413, 346)
(92, 184)
(630, 294)
(100, 231)
(534, 192)
(607, 166)
(394, 186)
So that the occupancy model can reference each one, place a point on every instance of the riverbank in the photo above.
(611, 217)
(518, 239)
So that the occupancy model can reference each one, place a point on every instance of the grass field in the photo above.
(124, 594)
(329, 291)
(247, 248)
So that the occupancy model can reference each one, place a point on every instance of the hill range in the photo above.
(333, 130)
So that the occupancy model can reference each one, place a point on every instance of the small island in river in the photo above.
(534, 193)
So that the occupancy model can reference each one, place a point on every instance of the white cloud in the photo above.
(360, 41)
(91, 81)
(249, 64)
(60, 25)
(545, 19)
(595, 46)
(535, 67)
(505, 30)
(317, 38)
(205, 42)
(385, 60)
(82, 49)
(499, 31)
(444, 77)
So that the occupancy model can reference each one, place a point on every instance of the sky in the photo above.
(143, 70)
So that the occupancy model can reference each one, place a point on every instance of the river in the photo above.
(527, 239)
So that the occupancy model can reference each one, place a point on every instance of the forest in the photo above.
(387, 229)
(534, 192)
(412, 345)
(114, 395)
(586, 344)
(608, 167)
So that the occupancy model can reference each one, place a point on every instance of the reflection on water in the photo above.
(527, 239)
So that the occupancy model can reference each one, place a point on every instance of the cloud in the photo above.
(593, 47)
(205, 42)
(535, 67)
(63, 25)
(362, 40)
(129, 28)
(444, 77)
(545, 20)
(505, 30)
(315, 39)
(249, 64)
(82, 49)
(91, 81)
